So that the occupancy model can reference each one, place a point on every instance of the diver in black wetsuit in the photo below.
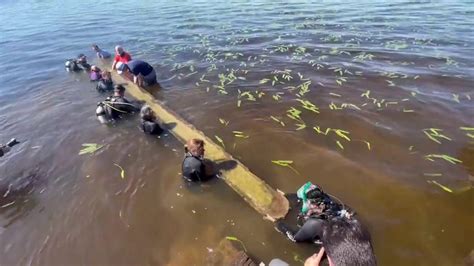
(115, 106)
(7, 147)
(78, 64)
(148, 121)
(195, 167)
(317, 209)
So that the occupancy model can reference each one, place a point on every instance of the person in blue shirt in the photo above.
(143, 73)
(101, 53)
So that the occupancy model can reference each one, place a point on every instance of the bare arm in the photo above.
(114, 64)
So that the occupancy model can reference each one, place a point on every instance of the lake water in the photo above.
(367, 99)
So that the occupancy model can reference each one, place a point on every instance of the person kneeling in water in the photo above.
(78, 64)
(115, 106)
(148, 121)
(195, 167)
(105, 83)
(345, 242)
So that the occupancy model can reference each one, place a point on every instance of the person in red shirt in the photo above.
(120, 56)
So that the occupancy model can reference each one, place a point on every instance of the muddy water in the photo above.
(378, 73)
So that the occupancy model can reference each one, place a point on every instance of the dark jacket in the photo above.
(193, 168)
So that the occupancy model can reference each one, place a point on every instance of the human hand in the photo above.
(269, 218)
(315, 259)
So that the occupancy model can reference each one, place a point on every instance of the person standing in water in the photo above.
(120, 56)
(114, 107)
(195, 168)
(101, 53)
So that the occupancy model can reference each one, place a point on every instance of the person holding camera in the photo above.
(7, 147)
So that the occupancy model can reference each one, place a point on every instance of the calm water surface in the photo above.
(364, 98)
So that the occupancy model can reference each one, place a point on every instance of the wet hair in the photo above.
(119, 88)
(347, 242)
(193, 146)
(106, 73)
(95, 46)
(147, 114)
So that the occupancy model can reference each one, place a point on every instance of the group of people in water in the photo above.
(322, 219)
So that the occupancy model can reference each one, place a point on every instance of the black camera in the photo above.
(12, 143)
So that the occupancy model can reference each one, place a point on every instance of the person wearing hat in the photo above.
(120, 56)
(140, 71)
(115, 106)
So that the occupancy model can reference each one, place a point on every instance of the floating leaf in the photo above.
(444, 157)
(447, 189)
(220, 140)
(285, 163)
(340, 145)
(90, 148)
(223, 121)
(122, 172)
(233, 238)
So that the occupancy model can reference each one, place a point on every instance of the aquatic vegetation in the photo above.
(308, 105)
(441, 186)
(435, 134)
(220, 141)
(233, 238)
(122, 172)
(277, 120)
(240, 134)
(223, 121)
(90, 148)
(285, 163)
(445, 157)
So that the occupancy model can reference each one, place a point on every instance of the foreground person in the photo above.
(345, 242)
(149, 122)
(139, 71)
(114, 107)
(7, 147)
(78, 64)
(120, 56)
(100, 53)
(195, 167)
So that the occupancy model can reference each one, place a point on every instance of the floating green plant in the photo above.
(90, 148)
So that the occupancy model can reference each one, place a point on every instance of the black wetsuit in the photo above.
(151, 127)
(105, 85)
(311, 231)
(75, 65)
(116, 106)
(193, 168)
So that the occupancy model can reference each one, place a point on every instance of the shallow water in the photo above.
(415, 59)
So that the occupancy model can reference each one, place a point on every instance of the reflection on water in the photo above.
(377, 96)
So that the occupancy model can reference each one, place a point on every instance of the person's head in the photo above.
(119, 90)
(195, 147)
(147, 114)
(122, 68)
(95, 47)
(95, 68)
(346, 242)
(106, 75)
(81, 58)
(119, 50)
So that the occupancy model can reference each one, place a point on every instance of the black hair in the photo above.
(347, 242)
(119, 87)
